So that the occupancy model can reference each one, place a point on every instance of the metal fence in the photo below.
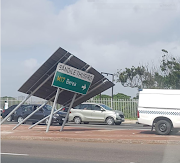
(16, 101)
(127, 106)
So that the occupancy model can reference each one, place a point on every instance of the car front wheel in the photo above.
(163, 127)
(110, 121)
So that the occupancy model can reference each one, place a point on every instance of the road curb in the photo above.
(99, 140)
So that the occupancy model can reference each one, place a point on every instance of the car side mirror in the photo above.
(102, 109)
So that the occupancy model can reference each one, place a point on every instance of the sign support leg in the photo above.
(52, 111)
(67, 115)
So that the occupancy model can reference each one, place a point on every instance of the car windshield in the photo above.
(106, 107)
(48, 108)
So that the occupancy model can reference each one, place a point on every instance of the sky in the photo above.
(109, 35)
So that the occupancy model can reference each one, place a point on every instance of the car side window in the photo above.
(86, 106)
(36, 107)
(96, 107)
(77, 107)
(27, 109)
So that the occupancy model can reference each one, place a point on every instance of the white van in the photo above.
(160, 108)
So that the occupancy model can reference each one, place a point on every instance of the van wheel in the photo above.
(110, 121)
(77, 120)
(163, 127)
(9, 119)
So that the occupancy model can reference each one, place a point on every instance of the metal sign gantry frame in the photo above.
(65, 57)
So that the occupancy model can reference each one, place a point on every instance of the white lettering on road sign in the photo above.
(70, 82)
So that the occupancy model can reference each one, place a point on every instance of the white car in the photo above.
(93, 112)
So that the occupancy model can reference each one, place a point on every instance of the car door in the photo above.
(25, 111)
(86, 111)
(39, 114)
(97, 113)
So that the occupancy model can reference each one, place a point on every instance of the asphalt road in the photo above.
(105, 126)
(17, 151)
(126, 126)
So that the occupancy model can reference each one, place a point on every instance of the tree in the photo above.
(102, 96)
(170, 68)
(121, 96)
(166, 76)
(140, 77)
(116, 96)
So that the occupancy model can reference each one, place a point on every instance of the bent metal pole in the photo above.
(52, 111)
(33, 92)
(68, 111)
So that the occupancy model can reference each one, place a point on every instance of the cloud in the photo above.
(30, 64)
(107, 34)
(26, 23)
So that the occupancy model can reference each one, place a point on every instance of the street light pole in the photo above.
(112, 87)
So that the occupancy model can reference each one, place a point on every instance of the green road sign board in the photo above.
(72, 79)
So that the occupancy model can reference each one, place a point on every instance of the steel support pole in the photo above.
(15, 109)
(73, 99)
(52, 111)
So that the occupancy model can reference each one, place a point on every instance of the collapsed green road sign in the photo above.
(72, 79)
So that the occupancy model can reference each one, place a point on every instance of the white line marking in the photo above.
(14, 154)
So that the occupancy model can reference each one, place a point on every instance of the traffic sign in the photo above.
(72, 79)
